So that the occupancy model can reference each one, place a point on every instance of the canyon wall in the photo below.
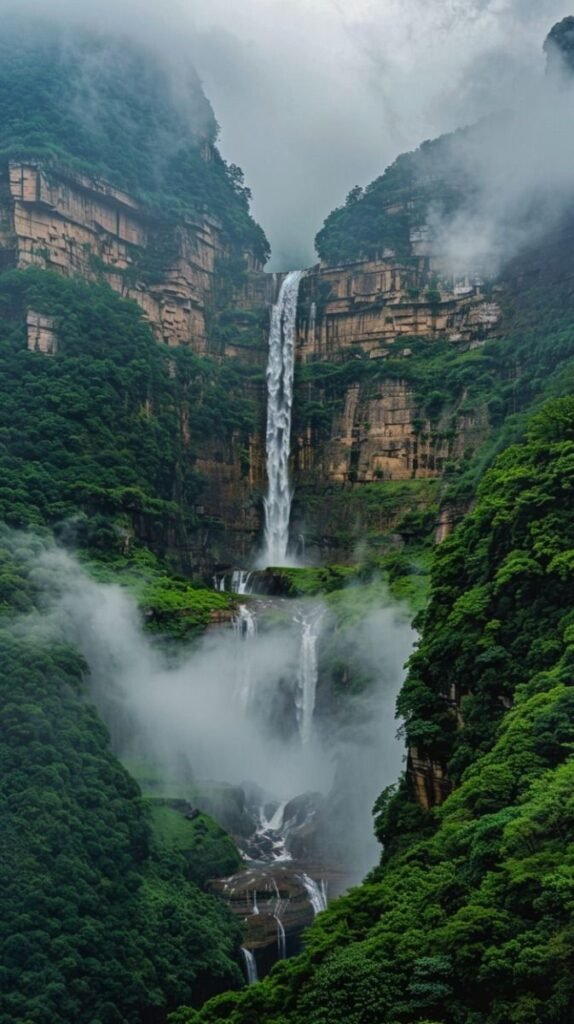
(363, 412)
(350, 428)
(78, 225)
(372, 304)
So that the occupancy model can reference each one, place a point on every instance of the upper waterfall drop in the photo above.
(280, 368)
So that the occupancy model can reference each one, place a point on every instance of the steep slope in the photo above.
(107, 107)
(99, 420)
(121, 435)
(469, 918)
(99, 920)
(109, 175)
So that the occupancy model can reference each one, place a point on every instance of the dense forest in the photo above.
(469, 916)
(379, 218)
(104, 106)
(106, 912)
(96, 428)
(100, 921)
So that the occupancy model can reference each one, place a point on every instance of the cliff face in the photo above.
(371, 427)
(373, 304)
(178, 274)
(366, 411)
(75, 224)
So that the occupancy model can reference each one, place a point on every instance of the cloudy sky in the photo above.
(315, 96)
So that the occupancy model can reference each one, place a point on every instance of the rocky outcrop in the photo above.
(382, 433)
(373, 304)
(75, 224)
(41, 333)
(181, 274)
(428, 779)
(273, 906)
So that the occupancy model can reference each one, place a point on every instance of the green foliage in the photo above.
(502, 593)
(98, 921)
(171, 605)
(107, 106)
(469, 918)
(208, 850)
(106, 431)
(381, 216)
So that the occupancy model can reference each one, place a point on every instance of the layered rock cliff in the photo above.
(370, 406)
(195, 291)
(61, 220)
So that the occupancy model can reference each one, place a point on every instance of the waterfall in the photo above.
(250, 965)
(245, 626)
(317, 894)
(281, 938)
(245, 623)
(240, 581)
(276, 821)
(308, 671)
(271, 830)
(280, 367)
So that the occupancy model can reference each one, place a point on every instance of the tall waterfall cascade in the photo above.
(280, 371)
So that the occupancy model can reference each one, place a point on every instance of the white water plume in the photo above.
(280, 371)
(240, 580)
(177, 719)
(250, 965)
(281, 938)
(245, 626)
(317, 893)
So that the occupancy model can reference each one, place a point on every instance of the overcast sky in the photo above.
(315, 96)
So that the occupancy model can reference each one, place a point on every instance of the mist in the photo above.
(519, 170)
(316, 97)
(185, 714)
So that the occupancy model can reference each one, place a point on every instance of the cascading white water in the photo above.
(317, 893)
(272, 830)
(280, 367)
(255, 905)
(245, 626)
(308, 671)
(250, 965)
(281, 938)
(240, 579)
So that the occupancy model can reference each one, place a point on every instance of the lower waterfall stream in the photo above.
(250, 724)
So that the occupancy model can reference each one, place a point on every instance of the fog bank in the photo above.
(316, 97)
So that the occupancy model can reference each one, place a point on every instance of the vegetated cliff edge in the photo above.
(468, 920)
(109, 175)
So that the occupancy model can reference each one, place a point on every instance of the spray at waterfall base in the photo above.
(254, 703)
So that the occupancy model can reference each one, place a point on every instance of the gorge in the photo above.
(234, 505)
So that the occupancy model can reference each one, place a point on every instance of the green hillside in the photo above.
(468, 920)
(106, 106)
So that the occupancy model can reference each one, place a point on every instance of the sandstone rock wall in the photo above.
(76, 224)
(381, 435)
(80, 225)
(373, 305)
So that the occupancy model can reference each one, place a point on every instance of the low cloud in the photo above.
(315, 97)
(226, 710)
